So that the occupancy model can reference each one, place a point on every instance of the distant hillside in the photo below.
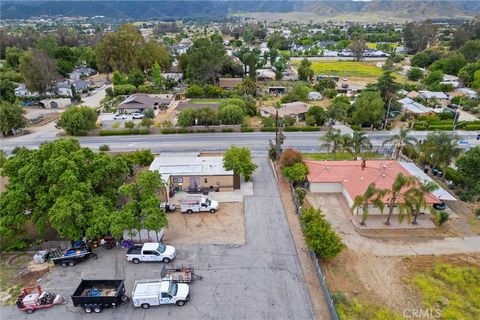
(137, 10)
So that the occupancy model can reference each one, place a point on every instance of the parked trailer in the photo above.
(183, 274)
(95, 295)
(71, 256)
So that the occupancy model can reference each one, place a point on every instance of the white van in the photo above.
(147, 293)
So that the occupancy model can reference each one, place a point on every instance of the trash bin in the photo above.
(39, 257)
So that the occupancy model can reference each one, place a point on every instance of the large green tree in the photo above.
(231, 114)
(468, 166)
(142, 208)
(77, 120)
(305, 71)
(440, 149)
(60, 185)
(239, 159)
(7, 91)
(11, 117)
(39, 71)
(319, 234)
(372, 197)
(368, 109)
(205, 60)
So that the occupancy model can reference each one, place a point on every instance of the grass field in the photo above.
(345, 68)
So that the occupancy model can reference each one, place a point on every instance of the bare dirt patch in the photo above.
(226, 226)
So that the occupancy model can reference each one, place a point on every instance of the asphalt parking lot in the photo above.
(260, 279)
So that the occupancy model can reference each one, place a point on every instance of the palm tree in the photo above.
(360, 141)
(347, 143)
(399, 141)
(334, 139)
(248, 86)
(415, 199)
(401, 181)
(441, 148)
(371, 196)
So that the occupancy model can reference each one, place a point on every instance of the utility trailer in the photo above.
(95, 295)
(71, 256)
(183, 274)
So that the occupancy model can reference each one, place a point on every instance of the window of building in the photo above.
(177, 180)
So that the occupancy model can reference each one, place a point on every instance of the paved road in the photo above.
(259, 280)
(256, 141)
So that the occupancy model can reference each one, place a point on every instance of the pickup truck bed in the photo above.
(135, 250)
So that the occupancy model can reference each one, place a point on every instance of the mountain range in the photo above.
(177, 9)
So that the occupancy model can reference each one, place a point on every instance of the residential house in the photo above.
(472, 94)
(296, 109)
(429, 95)
(22, 91)
(452, 80)
(140, 102)
(64, 89)
(229, 83)
(410, 106)
(195, 174)
(351, 179)
(265, 74)
(80, 72)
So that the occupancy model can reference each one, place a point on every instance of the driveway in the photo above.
(338, 214)
(259, 280)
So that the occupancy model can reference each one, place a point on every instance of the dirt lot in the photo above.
(384, 281)
(226, 226)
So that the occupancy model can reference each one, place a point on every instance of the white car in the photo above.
(137, 115)
(119, 117)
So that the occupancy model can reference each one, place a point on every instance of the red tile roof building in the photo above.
(351, 178)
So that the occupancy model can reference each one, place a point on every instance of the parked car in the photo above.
(453, 106)
(147, 293)
(94, 295)
(151, 251)
(119, 117)
(440, 206)
(137, 115)
(198, 204)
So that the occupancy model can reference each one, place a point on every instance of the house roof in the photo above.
(356, 179)
(432, 94)
(230, 83)
(142, 101)
(189, 166)
(414, 107)
(295, 108)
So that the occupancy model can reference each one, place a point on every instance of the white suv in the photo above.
(137, 115)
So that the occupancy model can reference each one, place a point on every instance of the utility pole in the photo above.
(388, 111)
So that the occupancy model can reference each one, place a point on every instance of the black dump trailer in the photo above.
(95, 295)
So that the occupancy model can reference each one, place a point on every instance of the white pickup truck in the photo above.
(147, 293)
(151, 251)
(198, 204)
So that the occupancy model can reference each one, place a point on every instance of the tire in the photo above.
(212, 210)
(166, 260)
(29, 311)
(136, 261)
(87, 310)
(189, 211)
(97, 309)
(145, 306)
(125, 298)
(64, 264)
(71, 263)
(180, 303)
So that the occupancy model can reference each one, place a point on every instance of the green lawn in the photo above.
(340, 156)
(345, 68)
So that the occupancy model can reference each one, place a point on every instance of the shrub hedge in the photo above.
(125, 132)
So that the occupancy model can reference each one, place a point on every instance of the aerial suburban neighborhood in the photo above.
(240, 159)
